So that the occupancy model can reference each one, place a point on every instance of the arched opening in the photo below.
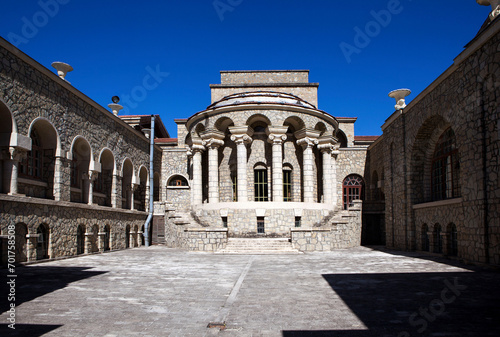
(453, 240)
(287, 183)
(135, 242)
(6, 128)
(445, 168)
(341, 137)
(80, 182)
(107, 237)
(127, 236)
(80, 240)
(438, 242)
(177, 181)
(141, 190)
(42, 249)
(21, 243)
(320, 126)
(261, 183)
(37, 169)
(353, 189)
(95, 239)
(425, 238)
(104, 182)
(127, 174)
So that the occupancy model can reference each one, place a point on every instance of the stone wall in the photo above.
(464, 98)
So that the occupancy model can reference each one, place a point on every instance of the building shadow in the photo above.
(418, 304)
(34, 281)
(25, 330)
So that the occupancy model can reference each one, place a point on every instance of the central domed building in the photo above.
(263, 161)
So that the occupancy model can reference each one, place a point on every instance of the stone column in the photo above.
(133, 187)
(86, 187)
(326, 148)
(307, 138)
(213, 140)
(58, 179)
(139, 238)
(11, 168)
(335, 183)
(241, 135)
(31, 245)
(197, 150)
(101, 241)
(116, 195)
(88, 242)
(277, 135)
(132, 243)
(92, 177)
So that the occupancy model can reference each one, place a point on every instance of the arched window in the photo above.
(352, 189)
(438, 243)
(287, 184)
(425, 238)
(261, 188)
(342, 138)
(33, 164)
(177, 181)
(42, 242)
(453, 244)
(445, 168)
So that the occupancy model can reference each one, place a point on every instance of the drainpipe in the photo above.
(151, 181)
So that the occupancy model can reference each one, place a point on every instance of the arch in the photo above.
(48, 131)
(127, 180)
(81, 157)
(223, 124)
(80, 239)
(320, 126)
(127, 236)
(438, 242)
(342, 139)
(261, 182)
(141, 190)
(8, 126)
(43, 241)
(107, 237)
(294, 123)
(135, 241)
(352, 189)
(177, 180)
(95, 239)
(453, 239)
(287, 182)
(258, 119)
(104, 181)
(21, 247)
(198, 130)
(425, 238)
(445, 182)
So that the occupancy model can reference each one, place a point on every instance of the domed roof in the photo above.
(261, 97)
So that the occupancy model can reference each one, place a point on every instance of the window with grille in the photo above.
(234, 182)
(445, 168)
(260, 225)
(352, 190)
(287, 185)
(261, 185)
(298, 221)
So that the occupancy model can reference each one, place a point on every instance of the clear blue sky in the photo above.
(114, 45)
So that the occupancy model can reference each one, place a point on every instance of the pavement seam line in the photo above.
(224, 312)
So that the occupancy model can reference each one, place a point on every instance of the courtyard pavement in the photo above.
(158, 291)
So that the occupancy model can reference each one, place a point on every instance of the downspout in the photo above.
(151, 181)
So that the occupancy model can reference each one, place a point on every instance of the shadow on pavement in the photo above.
(25, 330)
(35, 281)
(420, 304)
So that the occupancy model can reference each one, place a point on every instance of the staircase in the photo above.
(258, 246)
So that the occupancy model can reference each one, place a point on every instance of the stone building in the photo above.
(263, 161)
(433, 175)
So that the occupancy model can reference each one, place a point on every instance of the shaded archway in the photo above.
(43, 241)
(21, 248)
(80, 239)
(107, 237)
(127, 236)
(94, 241)
(127, 174)
(81, 155)
(104, 183)
(6, 129)
(141, 190)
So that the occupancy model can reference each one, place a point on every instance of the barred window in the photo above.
(287, 185)
(445, 168)
(261, 185)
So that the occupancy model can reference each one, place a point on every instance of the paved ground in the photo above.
(164, 292)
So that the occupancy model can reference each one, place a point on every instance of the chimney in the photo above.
(495, 7)
(62, 69)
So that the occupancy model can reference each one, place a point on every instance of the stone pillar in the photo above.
(88, 242)
(241, 135)
(432, 242)
(92, 177)
(139, 238)
(116, 195)
(133, 187)
(213, 140)
(31, 245)
(86, 187)
(335, 183)
(61, 180)
(11, 168)
(197, 150)
(101, 236)
(277, 135)
(132, 243)
(307, 138)
(326, 148)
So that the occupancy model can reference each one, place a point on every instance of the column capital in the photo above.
(93, 175)
(16, 153)
(307, 137)
(198, 145)
(326, 144)
(277, 134)
(241, 134)
(213, 139)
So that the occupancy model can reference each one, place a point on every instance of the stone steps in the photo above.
(258, 246)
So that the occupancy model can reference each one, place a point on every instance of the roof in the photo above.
(144, 121)
(165, 140)
(366, 138)
(261, 97)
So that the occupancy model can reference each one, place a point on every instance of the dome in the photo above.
(262, 97)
